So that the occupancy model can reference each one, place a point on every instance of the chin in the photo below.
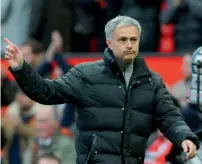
(129, 59)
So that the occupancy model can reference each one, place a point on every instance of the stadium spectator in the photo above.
(18, 123)
(49, 139)
(180, 90)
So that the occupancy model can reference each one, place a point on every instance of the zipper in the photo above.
(125, 92)
(124, 89)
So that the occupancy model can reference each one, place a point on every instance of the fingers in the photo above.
(12, 45)
(185, 148)
(10, 49)
(16, 48)
(191, 150)
(8, 42)
(192, 153)
(7, 57)
(9, 54)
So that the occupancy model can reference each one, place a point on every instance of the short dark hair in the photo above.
(49, 156)
(36, 46)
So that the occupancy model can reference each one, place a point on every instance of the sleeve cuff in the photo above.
(195, 140)
(17, 68)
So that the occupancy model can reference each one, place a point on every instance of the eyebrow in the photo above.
(124, 37)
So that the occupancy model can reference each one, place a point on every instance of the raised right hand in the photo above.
(13, 55)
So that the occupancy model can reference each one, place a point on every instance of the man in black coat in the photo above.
(119, 99)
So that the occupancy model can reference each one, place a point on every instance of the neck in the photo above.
(123, 64)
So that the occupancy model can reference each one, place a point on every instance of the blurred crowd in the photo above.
(31, 131)
(45, 30)
(168, 25)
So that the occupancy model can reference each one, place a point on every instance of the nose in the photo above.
(129, 45)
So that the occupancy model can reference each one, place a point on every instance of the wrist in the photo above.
(17, 68)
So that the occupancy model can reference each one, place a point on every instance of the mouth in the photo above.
(129, 52)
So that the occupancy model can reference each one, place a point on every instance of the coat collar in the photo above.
(139, 65)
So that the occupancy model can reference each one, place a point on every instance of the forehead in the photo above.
(126, 31)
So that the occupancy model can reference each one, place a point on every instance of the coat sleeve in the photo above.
(67, 88)
(168, 118)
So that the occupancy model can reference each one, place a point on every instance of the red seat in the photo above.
(166, 45)
(167, 30)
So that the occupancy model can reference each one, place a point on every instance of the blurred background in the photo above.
(55, 35)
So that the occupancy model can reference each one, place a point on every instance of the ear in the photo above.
(109, 43)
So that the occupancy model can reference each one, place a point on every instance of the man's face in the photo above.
(125, 43)
(48, 161)
(45, 124)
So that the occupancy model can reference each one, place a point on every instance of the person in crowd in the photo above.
(18, 123)
(49, 139)
(180, 90)
(33, 52)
